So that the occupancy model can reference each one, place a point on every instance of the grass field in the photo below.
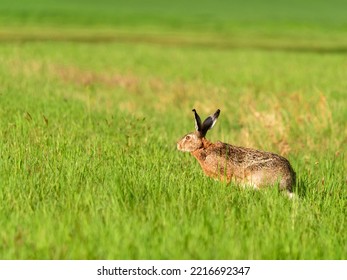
(93, 98)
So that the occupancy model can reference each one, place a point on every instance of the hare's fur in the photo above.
(244, 166)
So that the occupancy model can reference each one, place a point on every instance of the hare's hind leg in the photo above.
(286, 185)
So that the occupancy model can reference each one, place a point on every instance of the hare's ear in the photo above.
(209, 123)
(197, 121)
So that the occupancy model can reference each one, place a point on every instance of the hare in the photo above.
(244, 166)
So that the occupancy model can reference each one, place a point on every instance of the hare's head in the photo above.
(194, 140)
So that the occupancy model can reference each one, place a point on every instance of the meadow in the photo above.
(94, 97)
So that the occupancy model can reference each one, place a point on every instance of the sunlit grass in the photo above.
(89, 168)
(93, 98)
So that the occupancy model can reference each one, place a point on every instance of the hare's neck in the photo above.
(205, 143)
(200, 154)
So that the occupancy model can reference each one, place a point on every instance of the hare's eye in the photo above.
(187, 137)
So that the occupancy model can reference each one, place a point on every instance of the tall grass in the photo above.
(89, 169)
(93, 99)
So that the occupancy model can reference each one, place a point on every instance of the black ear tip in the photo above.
(217, 113)
(194, 110)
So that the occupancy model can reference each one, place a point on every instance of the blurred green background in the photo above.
(287, 24)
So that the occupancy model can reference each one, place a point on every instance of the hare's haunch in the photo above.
(246, 166)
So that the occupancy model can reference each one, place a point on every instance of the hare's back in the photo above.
(248, 158)
(259, 167)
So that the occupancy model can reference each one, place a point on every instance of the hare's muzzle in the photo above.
(179, 145)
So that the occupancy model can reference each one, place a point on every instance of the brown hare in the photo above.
(244, 166)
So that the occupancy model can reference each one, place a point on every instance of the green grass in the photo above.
(303, 25)
(88, 161)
